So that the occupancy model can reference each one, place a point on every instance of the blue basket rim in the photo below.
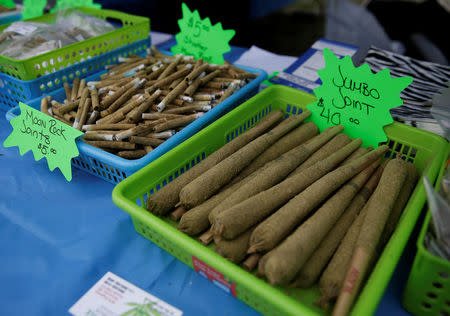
(131, 166)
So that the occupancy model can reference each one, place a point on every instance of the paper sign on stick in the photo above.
(356, 98)
(46, 137)
(200, 39)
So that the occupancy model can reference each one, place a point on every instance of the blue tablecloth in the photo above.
(58, 238)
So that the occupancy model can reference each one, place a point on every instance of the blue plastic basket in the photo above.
(11, 17)
(13, 90)
(113, 168)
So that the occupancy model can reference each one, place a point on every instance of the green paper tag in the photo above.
(33, 8)
(356, 98)
(200, 39)
(46, 137)
(8, 4)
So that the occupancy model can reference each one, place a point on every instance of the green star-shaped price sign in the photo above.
(356, 98)
(46, 137)
(8, 4)
(33, 8)
(200, 39)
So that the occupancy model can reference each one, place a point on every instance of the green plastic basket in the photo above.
(134, 28)
(421, 147)
(427, 292)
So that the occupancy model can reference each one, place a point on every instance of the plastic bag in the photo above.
(25, 39)
(438, 237)
(80, 26)
(441, 109)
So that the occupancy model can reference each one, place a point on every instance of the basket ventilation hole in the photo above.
(405, 150)
(444, 313)
(437, 285)
(431, 295)
(426, 305)
(447, 303)
(443, 275)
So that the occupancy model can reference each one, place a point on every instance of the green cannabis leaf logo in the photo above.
(201, 39)
(144, 309)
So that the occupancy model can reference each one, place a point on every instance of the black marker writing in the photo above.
(350, 84)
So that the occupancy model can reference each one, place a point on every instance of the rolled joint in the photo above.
(129, 73)
(164, 135)
(122, 59)
(187, 99)
(99, 136)
(160, 107)
(101, 90)
(120, 136)
(157, 65)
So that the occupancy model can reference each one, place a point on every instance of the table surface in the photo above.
(58, 238)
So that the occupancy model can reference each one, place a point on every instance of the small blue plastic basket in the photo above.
(113, 168)
(9, 18)
(13, 90)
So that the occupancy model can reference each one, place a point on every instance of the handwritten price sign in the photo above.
(356, 98)
(46, 137)
(200, 39)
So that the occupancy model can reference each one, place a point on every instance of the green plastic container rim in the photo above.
(421, 240)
